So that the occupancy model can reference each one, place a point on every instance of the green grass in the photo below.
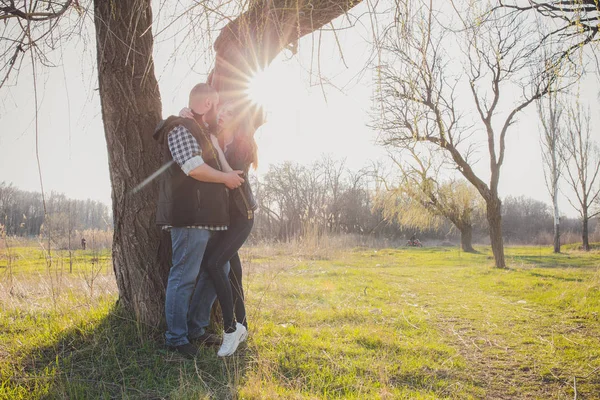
(360, 323)
(25, 260)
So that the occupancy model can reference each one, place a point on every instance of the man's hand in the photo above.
(206, 173)
(186, 113)
(233, 179)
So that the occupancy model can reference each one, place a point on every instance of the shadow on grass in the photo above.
(585, 261)
(558, 278)
(112, 358)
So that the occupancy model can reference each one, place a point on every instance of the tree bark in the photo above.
(556, 237)
(494, 218)
(131, 108)
(466, 238)
(556, 214)
(585, 231)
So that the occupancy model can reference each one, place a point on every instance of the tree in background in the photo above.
(574, 26)
(524, 219)
(423, 200)
(418, 100)
(581, 156)
(7, 195)
(333, 171)
(290, 196)
(323, 198)
(550, 113)
(22, 212)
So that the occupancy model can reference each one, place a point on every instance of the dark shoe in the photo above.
(207, 339)
(187, 350)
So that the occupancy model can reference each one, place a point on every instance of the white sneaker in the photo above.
(231, 341)
(244, 331)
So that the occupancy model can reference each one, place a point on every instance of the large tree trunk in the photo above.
(466, 238)
(494, 218)
(131, 108)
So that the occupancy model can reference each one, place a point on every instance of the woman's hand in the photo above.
(186, 113)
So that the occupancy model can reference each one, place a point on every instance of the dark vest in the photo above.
(183, 200)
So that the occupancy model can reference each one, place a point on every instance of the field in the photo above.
(359, 323)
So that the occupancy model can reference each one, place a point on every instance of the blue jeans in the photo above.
(204, 296)
(189, 245)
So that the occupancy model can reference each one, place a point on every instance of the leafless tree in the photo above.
(525, 220)
(550, 112)
(296, 201)
(418, 94)
(334, 171)
(293, 195)
(7, 194)
(581, 156)
(22, 212)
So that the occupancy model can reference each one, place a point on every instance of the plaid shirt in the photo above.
(185, 149)
(187, 154)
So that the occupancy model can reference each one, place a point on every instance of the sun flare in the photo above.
(277, 88)
(261, 89)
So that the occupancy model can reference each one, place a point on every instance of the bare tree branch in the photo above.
(581, 156)
(577, 22)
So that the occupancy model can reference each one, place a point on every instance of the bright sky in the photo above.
(305, 120)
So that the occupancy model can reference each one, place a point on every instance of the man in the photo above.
(193, 204)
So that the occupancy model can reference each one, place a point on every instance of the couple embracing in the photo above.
(206, 204)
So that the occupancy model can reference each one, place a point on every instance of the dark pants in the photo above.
(235, 278)
(223, 247)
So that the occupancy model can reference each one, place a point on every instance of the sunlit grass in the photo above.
(357, 323)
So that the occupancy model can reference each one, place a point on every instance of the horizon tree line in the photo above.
(24, 213)
(325, 198)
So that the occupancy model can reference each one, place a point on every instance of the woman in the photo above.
(237, 151)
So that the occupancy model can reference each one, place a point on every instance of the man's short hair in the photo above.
(202, 89)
